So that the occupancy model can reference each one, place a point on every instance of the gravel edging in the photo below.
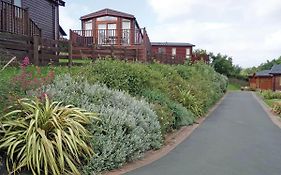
(274, 118)
(171, 142)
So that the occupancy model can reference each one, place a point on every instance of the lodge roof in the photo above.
(276, 69)
(108, 12)
(264, 73)
(171, 44)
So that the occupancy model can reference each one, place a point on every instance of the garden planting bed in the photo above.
(138, 106)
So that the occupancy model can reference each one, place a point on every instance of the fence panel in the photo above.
(40, 51)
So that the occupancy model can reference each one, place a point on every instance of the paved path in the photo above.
(238, 138)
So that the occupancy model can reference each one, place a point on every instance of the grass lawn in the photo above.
(233, 87)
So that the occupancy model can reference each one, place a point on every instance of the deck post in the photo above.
(111, 51)
(70, 49)
(36, 49)
(94, 52)
(137, 54)
(124, 52)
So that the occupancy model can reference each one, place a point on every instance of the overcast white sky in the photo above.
(247, 30)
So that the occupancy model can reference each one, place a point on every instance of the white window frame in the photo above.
(88, 25)
(174, 51)
(161, 50)
(126, 26)
(107, 18)
(187, 53)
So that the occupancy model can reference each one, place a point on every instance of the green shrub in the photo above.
(171, 114)
(196, 87)
(189, 100)
(45, 137)
(115, 74)
(269, 94)
(128, 126)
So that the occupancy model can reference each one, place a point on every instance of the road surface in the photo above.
(238, 138)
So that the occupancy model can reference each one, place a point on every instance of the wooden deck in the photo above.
(122, 44)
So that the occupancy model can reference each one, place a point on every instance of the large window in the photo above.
(88, 25)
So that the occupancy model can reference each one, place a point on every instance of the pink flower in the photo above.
(25, 62)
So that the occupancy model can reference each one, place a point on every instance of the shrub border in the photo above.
(171, 142)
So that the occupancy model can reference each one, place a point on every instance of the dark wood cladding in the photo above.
(42, 12)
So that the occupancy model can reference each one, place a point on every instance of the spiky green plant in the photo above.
(189, 101)
(44, 137)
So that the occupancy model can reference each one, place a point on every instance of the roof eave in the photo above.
(105, 12)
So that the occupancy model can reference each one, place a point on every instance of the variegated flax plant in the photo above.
(45, 137)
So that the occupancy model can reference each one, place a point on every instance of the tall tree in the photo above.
(223, 64)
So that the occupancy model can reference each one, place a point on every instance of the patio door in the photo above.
(107, 34)
(101, 34)
(126, 26)
(111, 33)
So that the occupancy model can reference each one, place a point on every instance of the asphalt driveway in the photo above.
(238, 138)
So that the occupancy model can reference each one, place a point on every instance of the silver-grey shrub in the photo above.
(128, 126)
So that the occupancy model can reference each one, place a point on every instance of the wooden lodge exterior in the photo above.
(29, 17)
(262, 80)
(110, 32)
(30, 28)
(172, 52)
(267, 79)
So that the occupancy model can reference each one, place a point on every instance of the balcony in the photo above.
(16, 20)
(106, 37)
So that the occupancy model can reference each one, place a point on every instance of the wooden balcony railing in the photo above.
(89, 38)
(16, 20)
